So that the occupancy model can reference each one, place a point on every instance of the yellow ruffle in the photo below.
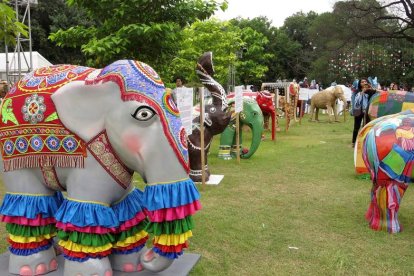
(173, 239)
(69, 245)
(21, 239)
(133, 239)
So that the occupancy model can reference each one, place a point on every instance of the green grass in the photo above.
(296, 208)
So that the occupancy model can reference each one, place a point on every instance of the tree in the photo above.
(49, 16)
(11, 27)
(136, 29)
(297, 28)
(381, 19)
(227, 43)
(280, 50)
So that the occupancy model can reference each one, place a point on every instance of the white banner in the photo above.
(184, 97)
(238, 99)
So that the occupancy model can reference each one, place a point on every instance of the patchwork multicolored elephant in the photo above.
(388, 152)
(217, 117)
(86, 131)
(382, 103)
(252, 117)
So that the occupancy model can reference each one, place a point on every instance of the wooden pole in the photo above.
(203, 173)
(238, 136)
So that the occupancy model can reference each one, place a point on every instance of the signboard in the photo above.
(238, 99)
(184, 97)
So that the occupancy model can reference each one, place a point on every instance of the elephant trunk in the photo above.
(257, 130)
(205, 72)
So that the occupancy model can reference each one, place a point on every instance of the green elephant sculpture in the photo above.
(252, 117)
(86, 131)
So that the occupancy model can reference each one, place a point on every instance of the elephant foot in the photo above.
(36, 264)
(93, 267)
(155, 262)
(127, 262)
(196, 175)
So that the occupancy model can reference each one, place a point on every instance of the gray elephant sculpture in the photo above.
(86, 131)
(326, 99)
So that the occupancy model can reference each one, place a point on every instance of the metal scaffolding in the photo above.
(15, 57)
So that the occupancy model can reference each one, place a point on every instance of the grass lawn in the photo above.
(295, 208)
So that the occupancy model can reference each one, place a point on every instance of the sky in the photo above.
(275, 10)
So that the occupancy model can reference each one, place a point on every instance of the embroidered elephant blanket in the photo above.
(31, 134)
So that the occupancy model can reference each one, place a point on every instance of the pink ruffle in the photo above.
(38, 221)
(132, 222)
(170, 214)
(68, 227)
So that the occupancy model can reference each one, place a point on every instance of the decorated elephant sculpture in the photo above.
(86, 131)
(252, 117)
(265, 101)
(381, 103)
(217, 117)
(326, 99)
(293, 102)
(388, 149)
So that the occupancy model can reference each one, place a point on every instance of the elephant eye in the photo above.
(143, 113)
(212, 109)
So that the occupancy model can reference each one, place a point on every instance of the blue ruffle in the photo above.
(129, 206)
(170, 255)
(27, 252)
(29, 206)
(84, 214)
(81, 260)
(170, 195)
(126, 252)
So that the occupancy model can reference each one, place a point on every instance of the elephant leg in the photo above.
(316, 114)
(329, 110)
(87, 225)
(28, 210)
(131, 235)
(382, 213)
(226, 140)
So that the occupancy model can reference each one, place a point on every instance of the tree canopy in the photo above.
(11, 27)
(140, 29)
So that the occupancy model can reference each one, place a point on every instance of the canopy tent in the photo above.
(37, 59)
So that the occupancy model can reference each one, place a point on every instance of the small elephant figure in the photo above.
(265, 102)
(251, 116)
(217, 117)
(388, 153)
(86, 131)
(326, 99)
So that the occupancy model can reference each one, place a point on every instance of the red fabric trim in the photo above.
(170, 214)
(172, 248)
(38, 221)
(30, 245)
(132, 222)
(83, 255)
(67, 227)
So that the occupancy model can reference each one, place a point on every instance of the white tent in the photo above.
(37, 59)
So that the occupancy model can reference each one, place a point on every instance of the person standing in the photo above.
(360, 103)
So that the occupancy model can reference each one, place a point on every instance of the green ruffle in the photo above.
(87, 239)
(131, 231)
(30, 231)
(171, 227)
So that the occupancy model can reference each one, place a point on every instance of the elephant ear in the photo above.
(82, 108)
